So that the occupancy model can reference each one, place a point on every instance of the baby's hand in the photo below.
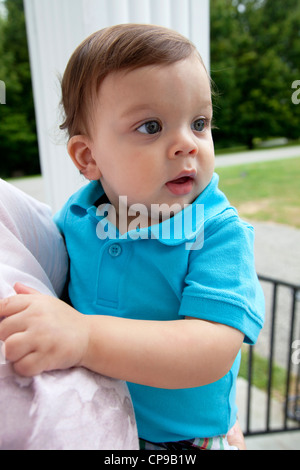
(41, 332)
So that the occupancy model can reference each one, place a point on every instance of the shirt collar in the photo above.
(185, 226)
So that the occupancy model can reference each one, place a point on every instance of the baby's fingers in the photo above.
(12, 325)
(29, 365)
(14, 304)
(16, 347)
(22, 289)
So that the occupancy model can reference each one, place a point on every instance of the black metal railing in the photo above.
(281, 409)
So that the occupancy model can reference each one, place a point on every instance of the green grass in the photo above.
(260, 371)
(266, 191)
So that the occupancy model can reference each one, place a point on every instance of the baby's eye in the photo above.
(199, 125)
(150, 127)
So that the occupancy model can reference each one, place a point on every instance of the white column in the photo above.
(55, 28)
(200, 28)
(161, 12)
(181, 16)
(140, 11)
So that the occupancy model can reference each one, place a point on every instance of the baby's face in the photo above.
(152, 138)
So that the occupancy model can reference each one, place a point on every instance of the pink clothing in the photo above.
(65, 410)
(32, 250)
(59, 410)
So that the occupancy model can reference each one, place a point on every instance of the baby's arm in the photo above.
(42, 333)
(173, 354)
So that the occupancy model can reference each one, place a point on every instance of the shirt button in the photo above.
(115, 250)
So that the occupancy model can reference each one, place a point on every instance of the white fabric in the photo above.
(59, 410)
(31, 248)
(65, 410)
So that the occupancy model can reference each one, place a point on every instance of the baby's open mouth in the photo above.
(181, 186)
(182, 180)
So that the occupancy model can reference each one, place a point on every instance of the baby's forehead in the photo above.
(191, 61)
(156, 81)
(129, 96)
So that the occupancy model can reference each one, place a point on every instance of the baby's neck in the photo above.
(136, 216)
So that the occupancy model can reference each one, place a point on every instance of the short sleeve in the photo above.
(222, 285)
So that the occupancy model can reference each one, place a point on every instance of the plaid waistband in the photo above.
(209, 443)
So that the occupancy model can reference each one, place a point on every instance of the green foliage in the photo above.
(255, 50)
(18, 140)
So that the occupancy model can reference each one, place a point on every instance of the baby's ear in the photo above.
(80, 150)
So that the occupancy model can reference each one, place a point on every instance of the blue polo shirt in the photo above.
(199, 264)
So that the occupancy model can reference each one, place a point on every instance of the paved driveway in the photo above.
(277, 252)
(258, 156)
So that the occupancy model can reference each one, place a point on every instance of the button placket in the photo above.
(115, 250)
(111, 271)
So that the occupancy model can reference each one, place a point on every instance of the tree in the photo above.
(18, 139)
(255, 51)
(225, 45)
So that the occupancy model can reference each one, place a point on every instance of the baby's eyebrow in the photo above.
(207, 105)
(135, 109)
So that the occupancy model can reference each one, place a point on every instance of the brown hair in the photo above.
(121, 47)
